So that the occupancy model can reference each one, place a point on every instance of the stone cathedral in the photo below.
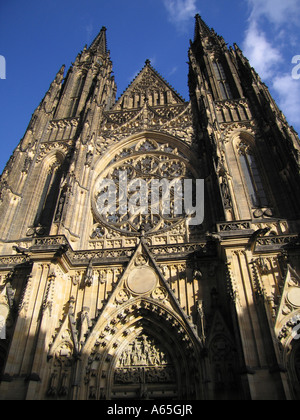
(113, 306)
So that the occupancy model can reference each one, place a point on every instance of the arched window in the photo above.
(76, 95)
(252, 176)
(142, 187)
(222, 80)
(49, 196)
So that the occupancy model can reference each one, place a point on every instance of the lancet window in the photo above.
(223, 84)
(252, 176)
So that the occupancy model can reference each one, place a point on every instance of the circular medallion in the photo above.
(142, 280)
(294, 296)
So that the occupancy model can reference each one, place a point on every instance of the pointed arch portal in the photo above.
(144, 353)
(143, 345)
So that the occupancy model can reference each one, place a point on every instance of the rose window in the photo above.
(142, 189)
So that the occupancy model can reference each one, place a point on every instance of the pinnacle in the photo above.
(201, 25)
(100, 42)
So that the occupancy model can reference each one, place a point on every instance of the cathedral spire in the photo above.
(88, 79)
(201, 27)
(100, 43)
(207, 36)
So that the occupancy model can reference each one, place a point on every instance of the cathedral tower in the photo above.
(105, 299)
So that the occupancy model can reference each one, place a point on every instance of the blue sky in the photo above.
(37, 37)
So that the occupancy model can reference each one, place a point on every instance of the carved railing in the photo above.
(275, 235)
(13, 260)
(279, 227)
(277, 240)
(234, 226)
(50, 241)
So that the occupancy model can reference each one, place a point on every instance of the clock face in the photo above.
(142, 189)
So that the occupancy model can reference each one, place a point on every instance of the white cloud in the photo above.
(89, 32)
(276, 11)
(180, 11)
(269, 56)
(288, 91)
(173, 71)
(260, 52)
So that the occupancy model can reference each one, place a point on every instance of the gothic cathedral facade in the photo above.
(133, 305)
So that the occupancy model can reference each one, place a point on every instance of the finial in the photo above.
(147, 62)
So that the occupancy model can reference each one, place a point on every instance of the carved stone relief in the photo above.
(62, 363)
(143, 361)
(175, 120)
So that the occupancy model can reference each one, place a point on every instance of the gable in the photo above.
(148, 87)
(142, 287)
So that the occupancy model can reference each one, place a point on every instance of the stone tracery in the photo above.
(145, 160)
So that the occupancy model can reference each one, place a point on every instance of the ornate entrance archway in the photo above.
(143, 344)
(145, 353)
